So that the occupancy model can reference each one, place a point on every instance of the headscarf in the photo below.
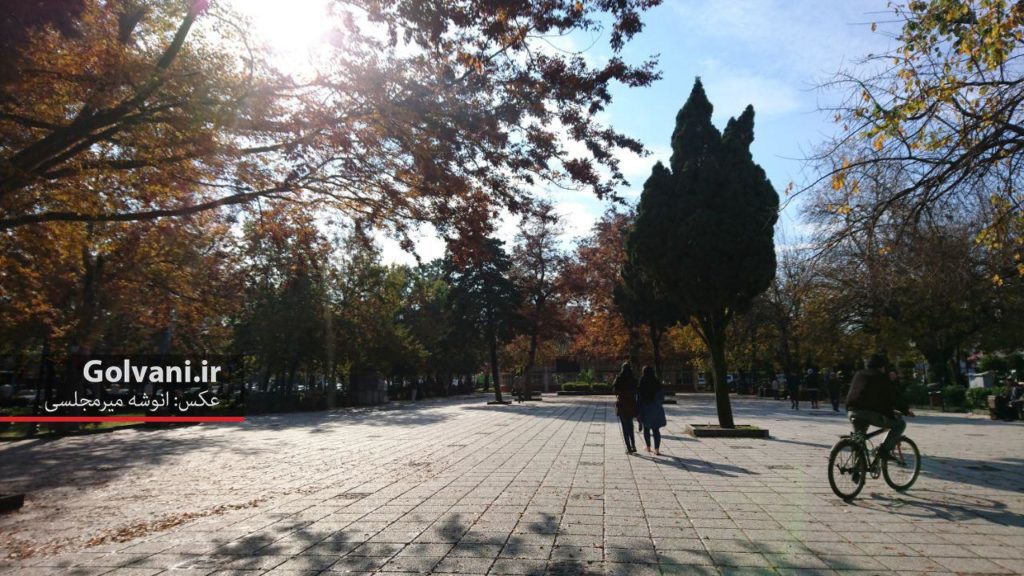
(625, 377)
(649, 385)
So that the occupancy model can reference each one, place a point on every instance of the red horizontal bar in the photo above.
(84, 419)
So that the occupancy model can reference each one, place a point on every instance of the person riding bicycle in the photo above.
(874, 400)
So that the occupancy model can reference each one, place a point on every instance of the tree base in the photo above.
(716, 431)
(503, 402)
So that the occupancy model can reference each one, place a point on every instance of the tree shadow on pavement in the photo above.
(449, 544)
(92, 460)
(930, 504)
(1001, 474)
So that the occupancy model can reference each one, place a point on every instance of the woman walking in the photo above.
(651, 398)
(625, 404)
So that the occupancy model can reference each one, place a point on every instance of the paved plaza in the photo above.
(456, 486)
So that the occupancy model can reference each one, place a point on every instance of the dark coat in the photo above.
(832, 383)
(871, 390)
(811, 380)
(652, 413)
(625, 395)
(650, 398)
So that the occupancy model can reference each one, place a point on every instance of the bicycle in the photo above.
(854, 457)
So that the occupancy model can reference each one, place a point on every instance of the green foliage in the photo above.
(483, 294)
(978, 397)
(586, 376)
(954, 396)
(705, 225)
(1017, 364)
(994, 363)
(916, 394)
(640, 303)
(587, 387)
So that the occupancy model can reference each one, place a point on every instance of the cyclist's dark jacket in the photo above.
(872, 390)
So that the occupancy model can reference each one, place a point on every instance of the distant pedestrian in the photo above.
(811, 386)
(793, 390)
(776, 385)
(625, 404)
(1016, 400)
(832, 384)
(650, 400)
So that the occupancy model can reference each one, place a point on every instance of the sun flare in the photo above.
(292, 29)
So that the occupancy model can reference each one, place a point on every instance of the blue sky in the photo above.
(769, 53)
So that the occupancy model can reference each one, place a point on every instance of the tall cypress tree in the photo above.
(705, 226)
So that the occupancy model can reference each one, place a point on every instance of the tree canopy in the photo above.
(705, 226)
(484, 294)
(130, 111)
(943, 109)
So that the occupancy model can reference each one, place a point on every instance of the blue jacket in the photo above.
(652, 414)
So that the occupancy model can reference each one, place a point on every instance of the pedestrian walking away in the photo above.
(651, 409)
(625, 404)
(832, 384)
(811, 386)
(793, 390)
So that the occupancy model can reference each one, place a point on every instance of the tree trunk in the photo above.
(939, 364)
(752, 368)
(530, 359)
(713, 330)
(290, 384)
(265, 379)
(784, 350)
(634, 345)
(492, 341)
(656, 335)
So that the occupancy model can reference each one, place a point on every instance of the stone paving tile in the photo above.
(457, 487)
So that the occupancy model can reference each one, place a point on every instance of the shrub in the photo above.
(586, 387)
(978, 397)
(1016, 362)
(916, 394)
(586, 376)
(954, 395)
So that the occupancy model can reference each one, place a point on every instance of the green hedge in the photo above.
(978, 397)
(954, 396)
(916, 394)
(586, 387)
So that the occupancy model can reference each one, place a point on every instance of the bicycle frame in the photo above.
(864, 439)
(860, 459)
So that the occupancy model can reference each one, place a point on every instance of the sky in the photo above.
(773, 54)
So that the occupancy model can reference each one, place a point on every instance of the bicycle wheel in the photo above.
(847, 469)
(901, 472)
